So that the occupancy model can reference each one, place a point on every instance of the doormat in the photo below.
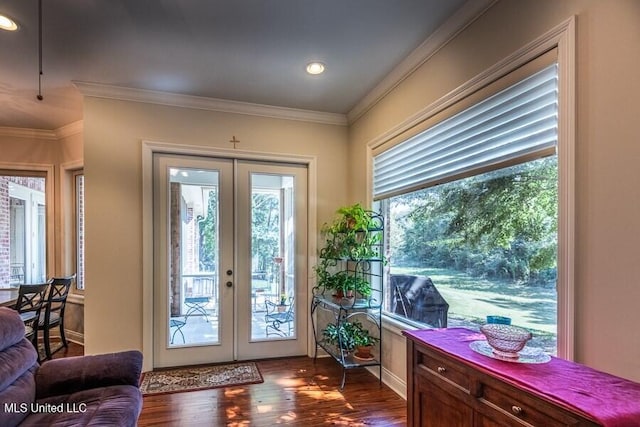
(199, 378)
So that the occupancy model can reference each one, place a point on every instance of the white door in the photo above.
(229, 241)
(271, 260)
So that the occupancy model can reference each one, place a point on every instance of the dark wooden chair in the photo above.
(54, 309)
(31, 300)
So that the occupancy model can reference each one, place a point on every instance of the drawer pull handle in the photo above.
(516, 410)
(441, 369)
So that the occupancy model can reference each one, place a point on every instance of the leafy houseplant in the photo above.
(346, 285)
(353, 217)
(339, 336)
(353, 237)
(350, 235)
(362, 340)
(349, 336)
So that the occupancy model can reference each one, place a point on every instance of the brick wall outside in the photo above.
(32, 183)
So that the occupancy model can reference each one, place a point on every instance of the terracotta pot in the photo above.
(339, 298)
(364, 352)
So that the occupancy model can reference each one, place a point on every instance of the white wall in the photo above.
(607, 153)
(52, 149)
(113, 133)
(24, 148)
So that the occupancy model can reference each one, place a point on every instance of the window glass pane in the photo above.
(476, 247)
(23, 255)
(79, 192)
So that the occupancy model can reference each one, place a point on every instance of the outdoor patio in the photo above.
(201, 326)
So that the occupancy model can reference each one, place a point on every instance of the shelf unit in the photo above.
(366, 309)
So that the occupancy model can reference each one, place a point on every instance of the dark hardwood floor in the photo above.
(73, 350)
(295, 391)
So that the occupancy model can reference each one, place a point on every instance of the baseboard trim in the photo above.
(75, 337)
(391, 380)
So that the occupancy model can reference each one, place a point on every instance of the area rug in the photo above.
(200, 378)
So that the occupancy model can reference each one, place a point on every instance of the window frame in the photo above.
(67, 234)
(77, 244)
(562, 38)
(47, 172)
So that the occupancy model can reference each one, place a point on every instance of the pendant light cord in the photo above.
(40, 97)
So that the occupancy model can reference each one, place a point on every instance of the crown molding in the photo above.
(69, 130)
(49, 135)
(28, 133)
(99, 90)
(460, 20)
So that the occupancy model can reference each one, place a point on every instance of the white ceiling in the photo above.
(252, 51)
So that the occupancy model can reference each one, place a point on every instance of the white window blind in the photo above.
(514, 125)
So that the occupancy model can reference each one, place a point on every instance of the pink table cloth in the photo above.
(611, 401)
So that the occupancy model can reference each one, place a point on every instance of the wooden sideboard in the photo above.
(449, 389)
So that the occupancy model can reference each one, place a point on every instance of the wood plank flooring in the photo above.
(296, 391)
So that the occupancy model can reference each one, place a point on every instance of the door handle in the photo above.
(229, 284)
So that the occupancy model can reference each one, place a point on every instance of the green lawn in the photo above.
(471, 299)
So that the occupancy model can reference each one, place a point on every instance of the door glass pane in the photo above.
(194, 214)
(272, 257)
(22, 214)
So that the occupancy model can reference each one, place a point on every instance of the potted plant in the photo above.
(345, 286)
(339, 336)
(350, 235)
(282, 305)
(363, 341)
(353, 237)
(353, 218)
(338, 283)
(342, 287)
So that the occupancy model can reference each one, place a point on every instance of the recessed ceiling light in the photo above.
(315, 68)
(7, 23)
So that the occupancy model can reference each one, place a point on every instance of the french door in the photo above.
(229, 260)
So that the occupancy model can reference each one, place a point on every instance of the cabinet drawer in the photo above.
(428, 363)
(517, 407)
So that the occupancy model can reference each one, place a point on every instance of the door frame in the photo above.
(149, 148)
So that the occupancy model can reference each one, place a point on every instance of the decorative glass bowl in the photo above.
(505, 340)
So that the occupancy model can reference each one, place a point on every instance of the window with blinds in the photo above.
(515, 125)
(470, 195)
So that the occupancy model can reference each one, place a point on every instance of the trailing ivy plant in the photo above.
(353, 234)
